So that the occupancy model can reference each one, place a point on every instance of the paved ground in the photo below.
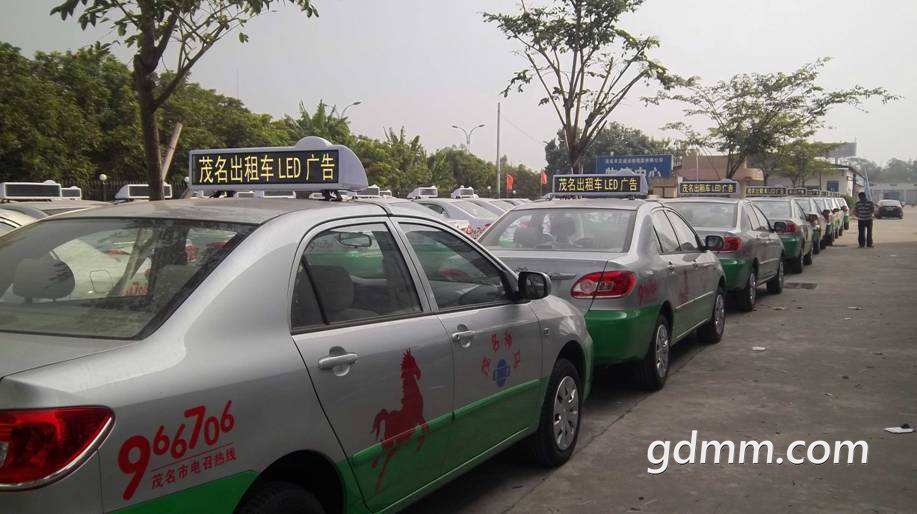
(840, 364)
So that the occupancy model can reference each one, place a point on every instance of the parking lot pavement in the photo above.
(840, 364)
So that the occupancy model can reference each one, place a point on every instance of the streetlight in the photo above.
(103, 177)
(468, 135)
(343, 112)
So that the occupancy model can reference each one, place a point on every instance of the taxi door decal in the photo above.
(400, 425)
(503, 369)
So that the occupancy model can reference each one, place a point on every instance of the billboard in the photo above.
(843, 150)
(653, 166)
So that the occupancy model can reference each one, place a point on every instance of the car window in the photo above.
(459, 275)
(763, 223)
(687, 239)
(474, 209)
(5, 227)
(349, 274)
(775, 210)
(707, 214)
(800, 211)
(563, 230)
(668, 241)
(435, 208)
(111, 278)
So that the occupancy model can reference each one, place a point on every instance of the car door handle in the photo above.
(671, 268)
(333, 361)
(463, 338)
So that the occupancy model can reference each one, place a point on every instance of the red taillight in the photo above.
(41, 445)
(791, 228)
(469, 230)
(731, 244)
(844, 208)
(607, 284)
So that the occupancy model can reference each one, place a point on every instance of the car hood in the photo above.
(22, 352)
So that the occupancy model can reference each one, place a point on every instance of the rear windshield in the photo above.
(475, 210)
(562, 229)
(707, 214)
(422, 209)
(775, 210)
(105, 278)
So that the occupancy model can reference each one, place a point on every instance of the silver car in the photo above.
(462, 209)
(634, 268)
(494, 205)
(250, 355)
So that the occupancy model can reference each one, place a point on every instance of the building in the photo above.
(840, 179)
(706, 167)
(906, 193)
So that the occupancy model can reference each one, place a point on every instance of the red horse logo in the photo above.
(400, 425)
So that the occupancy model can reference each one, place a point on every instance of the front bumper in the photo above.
(620, 335)
(736, 272)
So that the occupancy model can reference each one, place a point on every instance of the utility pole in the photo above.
(498, 149)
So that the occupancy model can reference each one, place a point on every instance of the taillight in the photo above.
(607, 284)
(844, 208)
(731, 244)
(42, 445)
(469, 230)
(791, 228)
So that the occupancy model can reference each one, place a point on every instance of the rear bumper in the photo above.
(736, 272)
(621, 335)
(792, 246)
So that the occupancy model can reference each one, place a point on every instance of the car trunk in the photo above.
(22, 352)
(564, 268)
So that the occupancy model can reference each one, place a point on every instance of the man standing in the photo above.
(865, 211)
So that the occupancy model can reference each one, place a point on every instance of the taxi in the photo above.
(637, 271)
(751, 253)
(459, 207)
(790, 222)
(275, 370)
(36, 200)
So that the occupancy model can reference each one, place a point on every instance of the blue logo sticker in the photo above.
(501, 373)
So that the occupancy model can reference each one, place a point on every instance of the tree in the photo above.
(754, 114)
(613, 139)
(802, 159)
(149, 26)
(583, 60)
(324, 122)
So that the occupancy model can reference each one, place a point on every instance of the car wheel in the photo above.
(807, 259)
(280, 498)
(775, 285)
(558, 427)
(653, 370)
(712, 331)
(745, 297)
(795, 265)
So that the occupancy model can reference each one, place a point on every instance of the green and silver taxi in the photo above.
(791, 223)
(310, 356)
(751, 254)
(641, 276)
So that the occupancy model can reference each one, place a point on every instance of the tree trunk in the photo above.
(145, 63)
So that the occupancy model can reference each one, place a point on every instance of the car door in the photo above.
(771, 247)
(697, 269)
(379, 359)
(496, 341)
(675, 276)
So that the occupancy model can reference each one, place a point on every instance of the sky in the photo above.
(430, 64)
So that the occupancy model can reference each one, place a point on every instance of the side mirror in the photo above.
(533, 285)
(812, 218)
(835, 210)
(354, 240)
(714, 243)
(779, 227)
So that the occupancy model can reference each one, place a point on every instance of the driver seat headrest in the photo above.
(43, 278)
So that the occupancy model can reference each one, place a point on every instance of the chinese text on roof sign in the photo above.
(765, 191)
(796, 191)
(622, 184)
(653, 166)
(707, 187)
(313, 164)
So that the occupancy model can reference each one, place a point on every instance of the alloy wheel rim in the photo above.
(566, 413)
(719, 314)
(752, 287)
(662, 350)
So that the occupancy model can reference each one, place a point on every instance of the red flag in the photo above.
(509, 182)
(544, 178)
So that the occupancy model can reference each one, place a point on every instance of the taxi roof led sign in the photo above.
(623, 184)
(29, 190)
(765, 191)
(708, 188)
(141, 192)
(423, 192)
(312, 164)
(72, 193)
(464, 192)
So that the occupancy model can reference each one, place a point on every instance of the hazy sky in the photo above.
(429, 64)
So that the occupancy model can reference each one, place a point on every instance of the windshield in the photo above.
(822, 203)
(475, 210)
(107, 278)
(775, 210)
(562, 229)
(707, 214)
(420, 208)
(888, 203)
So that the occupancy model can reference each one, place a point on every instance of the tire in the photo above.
(807, 258)
(658, 355)
(795, 265)
(775, 285)
(745, 297)
(280, 498)
(712, 331)
(543, 444)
